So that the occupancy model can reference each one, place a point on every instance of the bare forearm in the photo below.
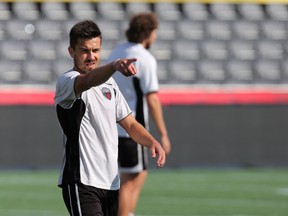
(156, 113)
(140, 135)
(137, 132)
(101, 74)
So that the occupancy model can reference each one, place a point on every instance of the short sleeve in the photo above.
(65, 94)
(122, 107)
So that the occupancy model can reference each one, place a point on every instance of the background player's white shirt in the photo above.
(102, 107)
(146, 66)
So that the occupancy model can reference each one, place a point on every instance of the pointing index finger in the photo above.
(131, 60)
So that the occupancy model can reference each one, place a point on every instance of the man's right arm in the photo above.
(101, 74)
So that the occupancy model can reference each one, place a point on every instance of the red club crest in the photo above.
(107, 93)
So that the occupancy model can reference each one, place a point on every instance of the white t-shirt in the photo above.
(135, 88)
(90, 132)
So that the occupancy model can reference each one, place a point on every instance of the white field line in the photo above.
(188, 201)
(282, 191)
(30, 212)
(191, 215)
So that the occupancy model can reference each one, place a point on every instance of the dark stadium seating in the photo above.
(217, 43)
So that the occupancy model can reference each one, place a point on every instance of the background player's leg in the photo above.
(131, 186)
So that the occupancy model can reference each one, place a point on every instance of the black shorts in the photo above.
(83, 200)
(132, 157)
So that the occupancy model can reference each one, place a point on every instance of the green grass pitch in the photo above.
(193, 192)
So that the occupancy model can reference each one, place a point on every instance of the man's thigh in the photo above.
(85, 200)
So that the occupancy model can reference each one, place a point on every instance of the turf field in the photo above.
(203, 192)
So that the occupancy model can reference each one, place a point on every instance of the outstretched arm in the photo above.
(103, 73)
(140, 135)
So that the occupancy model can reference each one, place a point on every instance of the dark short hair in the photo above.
(140, 26)
(86, 29)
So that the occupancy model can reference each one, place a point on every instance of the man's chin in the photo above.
(87, 70)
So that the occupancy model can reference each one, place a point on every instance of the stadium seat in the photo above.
(66, 27)
(278, 12)
(274, 30)
(240, 72)
(20, 29)
(60, 66)
(195, 11)
(48, 29)
(14, 50)
(37, 72)
(55, 10)
(163, 72)
(190, 30)
(212, 71)
(83, 10)
(111, 10)
(166, 30)
(218, 30)
(242, 50)
(167, 11)
(110, 29)
(42, 49)
(10, 72)
(268, 49)
(26, 10)
(183, 71)
(224, 11)
(106, 49)
(62, 50)
(186, 49)
(162, 50)
(284, 69)
(251, 11)
(213, 49)
(137, 7)
(268, 71)
(246, 30)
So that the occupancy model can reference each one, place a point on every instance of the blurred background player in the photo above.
(140, 92)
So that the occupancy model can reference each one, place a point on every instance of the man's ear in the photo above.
(71, 51)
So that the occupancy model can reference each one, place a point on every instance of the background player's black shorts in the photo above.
(132, 157)
(90, 201)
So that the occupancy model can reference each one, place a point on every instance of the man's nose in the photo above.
(90, 55)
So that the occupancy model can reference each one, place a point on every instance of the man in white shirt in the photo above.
(89, 104)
